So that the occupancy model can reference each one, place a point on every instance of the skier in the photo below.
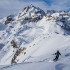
(57, 55)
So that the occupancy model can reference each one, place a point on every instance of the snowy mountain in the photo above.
(29, 40)
(30, 14)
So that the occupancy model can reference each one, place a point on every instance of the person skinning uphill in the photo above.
(57, 55)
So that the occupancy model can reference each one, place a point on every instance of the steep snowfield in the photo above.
(37, 37)
(41, 55)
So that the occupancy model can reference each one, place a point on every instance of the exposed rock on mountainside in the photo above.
(30, 14)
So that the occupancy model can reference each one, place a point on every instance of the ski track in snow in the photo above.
(60, 66)
(9, 66)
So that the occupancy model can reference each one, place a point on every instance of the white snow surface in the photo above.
(41, 40)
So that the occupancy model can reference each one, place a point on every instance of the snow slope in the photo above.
(37, 39)
(41, 59)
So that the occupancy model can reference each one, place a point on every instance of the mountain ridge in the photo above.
(21, 36)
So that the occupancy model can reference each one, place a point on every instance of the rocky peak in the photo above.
(31, 14)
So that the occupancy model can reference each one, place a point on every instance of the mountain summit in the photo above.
(31, 14)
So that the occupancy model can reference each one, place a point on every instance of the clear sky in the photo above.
(8, 7)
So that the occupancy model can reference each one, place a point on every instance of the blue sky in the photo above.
(8, 7)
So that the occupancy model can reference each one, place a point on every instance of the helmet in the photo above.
(57, 50)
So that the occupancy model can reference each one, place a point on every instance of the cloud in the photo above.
(8, 7)
(60, 4)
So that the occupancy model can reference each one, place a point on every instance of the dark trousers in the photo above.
(56, 58)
